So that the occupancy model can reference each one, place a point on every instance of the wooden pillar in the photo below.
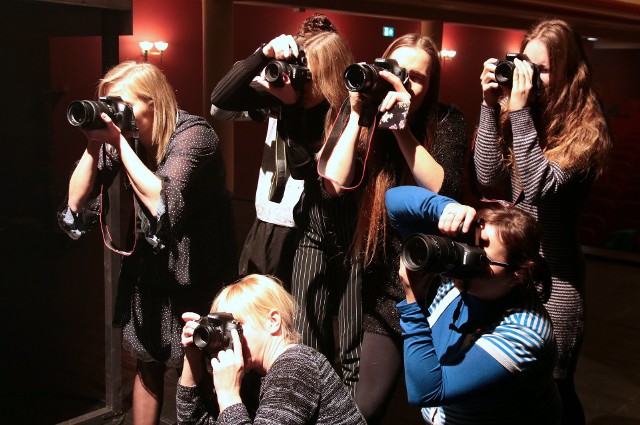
(217, 45)
(432, 29)
(112, 261)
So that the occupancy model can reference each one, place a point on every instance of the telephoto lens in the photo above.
(429, 253)
(437, 254)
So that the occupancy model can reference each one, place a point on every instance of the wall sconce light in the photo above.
(161, 46)
(447, 54)
(145, 46)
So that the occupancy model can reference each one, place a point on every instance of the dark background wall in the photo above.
(51, 58)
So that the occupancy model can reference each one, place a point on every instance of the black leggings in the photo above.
(381, 367)
(572, 411)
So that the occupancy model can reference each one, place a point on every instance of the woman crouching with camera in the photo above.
(482, 350)
(299, 385)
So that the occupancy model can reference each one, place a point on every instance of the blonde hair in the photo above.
(572, 129)
(148, 83)
(253, 297)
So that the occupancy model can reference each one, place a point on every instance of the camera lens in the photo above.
(207, 338)
(429, 253)
(415, 253)
(86, 113)
(77, 113)
(504, 73)
(359, 78)
(273, 72)
(355, 77)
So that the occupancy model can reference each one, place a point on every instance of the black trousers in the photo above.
(269, 249)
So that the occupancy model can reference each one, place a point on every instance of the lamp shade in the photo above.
(161, 45)
(145, 45)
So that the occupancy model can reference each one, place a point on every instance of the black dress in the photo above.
(182, 258)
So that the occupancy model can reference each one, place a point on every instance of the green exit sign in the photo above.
(388, 31)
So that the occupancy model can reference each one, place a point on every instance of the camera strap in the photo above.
(337, 129)
(280, 172)
(106, 235)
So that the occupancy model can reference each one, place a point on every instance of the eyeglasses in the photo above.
(495, 263)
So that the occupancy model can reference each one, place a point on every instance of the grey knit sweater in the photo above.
(300, 388)
(554, 196)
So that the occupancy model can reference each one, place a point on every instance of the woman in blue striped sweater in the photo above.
(483, 352)
(546, 137)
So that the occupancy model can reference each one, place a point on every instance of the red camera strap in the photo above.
(337, 128)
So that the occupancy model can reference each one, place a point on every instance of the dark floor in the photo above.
(53, 330)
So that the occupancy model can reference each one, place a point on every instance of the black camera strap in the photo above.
(106, 235)
(280, 172)
(104, 207)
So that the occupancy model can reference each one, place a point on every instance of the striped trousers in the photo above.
(325, 283)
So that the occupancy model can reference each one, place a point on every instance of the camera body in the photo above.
(213, 333)
(504, 72)
(365, 78)
(438, 254)
(295, 68)
(86, 113)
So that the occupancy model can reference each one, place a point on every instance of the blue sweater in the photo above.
(498, 370)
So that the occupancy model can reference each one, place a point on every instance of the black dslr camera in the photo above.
(295, 68)
(213, 333)
(365, 78)
(504, 72)
(437, 254)
(86, 113)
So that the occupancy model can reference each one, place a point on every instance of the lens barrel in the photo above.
(273, 72)
(86, 113)
(359, 77)
(429, 253)
(207, 338)
(504, 72)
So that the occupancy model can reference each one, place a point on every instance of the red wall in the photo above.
(460, 82)
(75, 66)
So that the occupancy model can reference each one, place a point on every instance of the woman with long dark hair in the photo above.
(547, 136)
(429, 152)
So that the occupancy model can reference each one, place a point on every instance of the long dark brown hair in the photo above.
(386, 166)
(571, 126)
